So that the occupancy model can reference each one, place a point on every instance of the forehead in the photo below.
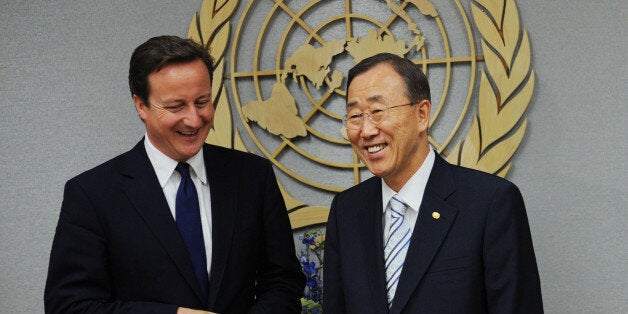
(180, 79)
(380, 83)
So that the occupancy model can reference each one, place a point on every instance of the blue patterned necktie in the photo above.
(396, 246)
(188, 218)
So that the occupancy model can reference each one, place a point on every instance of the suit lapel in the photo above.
(429, 232)
(223, 184)
(370, 234)
(143, 190)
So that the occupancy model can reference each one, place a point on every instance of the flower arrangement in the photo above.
(311, 258)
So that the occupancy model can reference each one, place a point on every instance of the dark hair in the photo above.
(159, 52)
(417, 87)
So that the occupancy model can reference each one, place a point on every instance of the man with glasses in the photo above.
(421, 236)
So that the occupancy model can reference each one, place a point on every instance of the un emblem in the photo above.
(286, 65)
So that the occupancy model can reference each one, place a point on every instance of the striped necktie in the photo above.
(396, 246)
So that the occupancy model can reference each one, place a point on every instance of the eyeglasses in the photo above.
(354, 121)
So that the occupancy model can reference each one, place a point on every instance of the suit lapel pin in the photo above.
(435, 215)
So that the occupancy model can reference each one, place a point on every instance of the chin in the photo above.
(189, 152)
(382, 173)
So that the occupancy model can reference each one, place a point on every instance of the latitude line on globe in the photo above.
(301, 22)
(479, 58)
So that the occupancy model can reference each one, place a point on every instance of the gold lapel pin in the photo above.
(435, 215)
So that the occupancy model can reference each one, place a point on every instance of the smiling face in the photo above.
(179, 112)
(395, 148)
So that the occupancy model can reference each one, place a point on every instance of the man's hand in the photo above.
(184, 310)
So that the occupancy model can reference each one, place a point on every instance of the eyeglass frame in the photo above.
(345, 118)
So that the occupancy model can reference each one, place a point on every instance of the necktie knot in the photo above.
(398, 208)
(184, 169)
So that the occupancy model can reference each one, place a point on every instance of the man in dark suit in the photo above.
(174, 225)
(422, 236)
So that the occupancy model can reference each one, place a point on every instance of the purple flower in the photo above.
(311, 260)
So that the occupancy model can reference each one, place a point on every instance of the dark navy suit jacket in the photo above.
(477, 257)
(117, 248)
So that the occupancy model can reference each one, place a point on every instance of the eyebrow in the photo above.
(369, 99)
(178, 100)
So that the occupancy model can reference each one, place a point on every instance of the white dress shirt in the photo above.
(169, 179)
(411, 194)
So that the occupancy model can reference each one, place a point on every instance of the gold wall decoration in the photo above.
(497, 132)
(284, 89)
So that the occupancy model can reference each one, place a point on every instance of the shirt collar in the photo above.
(164, 166)
(412, 192)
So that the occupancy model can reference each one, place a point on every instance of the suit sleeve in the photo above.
(280, 281)
(78, 280)
(333, 296)
(511, 275)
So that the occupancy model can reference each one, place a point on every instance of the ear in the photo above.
(424, 108)
(140, 106)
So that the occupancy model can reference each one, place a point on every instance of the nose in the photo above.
(192, 117)
(368, 128)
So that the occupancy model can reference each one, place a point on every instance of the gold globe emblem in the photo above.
(286, 76)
